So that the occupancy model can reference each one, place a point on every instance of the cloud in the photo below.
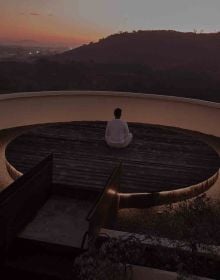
(34, 14)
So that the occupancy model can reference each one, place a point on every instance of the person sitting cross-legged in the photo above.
(117, 133)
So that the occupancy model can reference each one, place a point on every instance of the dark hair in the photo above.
(117, 113)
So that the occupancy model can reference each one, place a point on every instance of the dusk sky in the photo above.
(72, 22)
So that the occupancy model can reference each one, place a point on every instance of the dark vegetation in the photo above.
(114, 253)
(163, 62)
(194, 223)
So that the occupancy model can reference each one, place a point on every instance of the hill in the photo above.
(157, 49)
(159, 62)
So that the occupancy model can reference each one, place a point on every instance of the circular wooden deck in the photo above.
(158, 159)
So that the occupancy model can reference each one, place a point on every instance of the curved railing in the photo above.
(20, 111)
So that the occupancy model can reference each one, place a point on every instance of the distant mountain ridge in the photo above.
(160, 62)
(157, 49)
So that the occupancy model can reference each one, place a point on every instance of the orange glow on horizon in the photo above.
(46, 37)
(77, 22)
(40, 29)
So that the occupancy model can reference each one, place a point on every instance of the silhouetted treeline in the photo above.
(163, 62)
(157, 49)
(47, 75)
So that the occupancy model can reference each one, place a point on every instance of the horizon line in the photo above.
(28, 42)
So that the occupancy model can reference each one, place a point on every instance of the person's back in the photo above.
(117, 132)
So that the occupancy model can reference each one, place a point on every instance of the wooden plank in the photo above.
(159, 158)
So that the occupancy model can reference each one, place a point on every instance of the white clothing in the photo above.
(117, 134)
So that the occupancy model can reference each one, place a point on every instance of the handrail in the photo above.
(86, 234)
(111, 179)
(106, 207)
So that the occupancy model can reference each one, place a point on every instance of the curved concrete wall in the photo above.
(145, 200)
(48, 107)
(26, 109)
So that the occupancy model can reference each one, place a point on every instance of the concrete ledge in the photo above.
(144, 200)
(48, 107)
(143, 273)
(14, 173)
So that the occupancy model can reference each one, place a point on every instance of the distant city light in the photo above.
(30, 53)
(37, 52)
